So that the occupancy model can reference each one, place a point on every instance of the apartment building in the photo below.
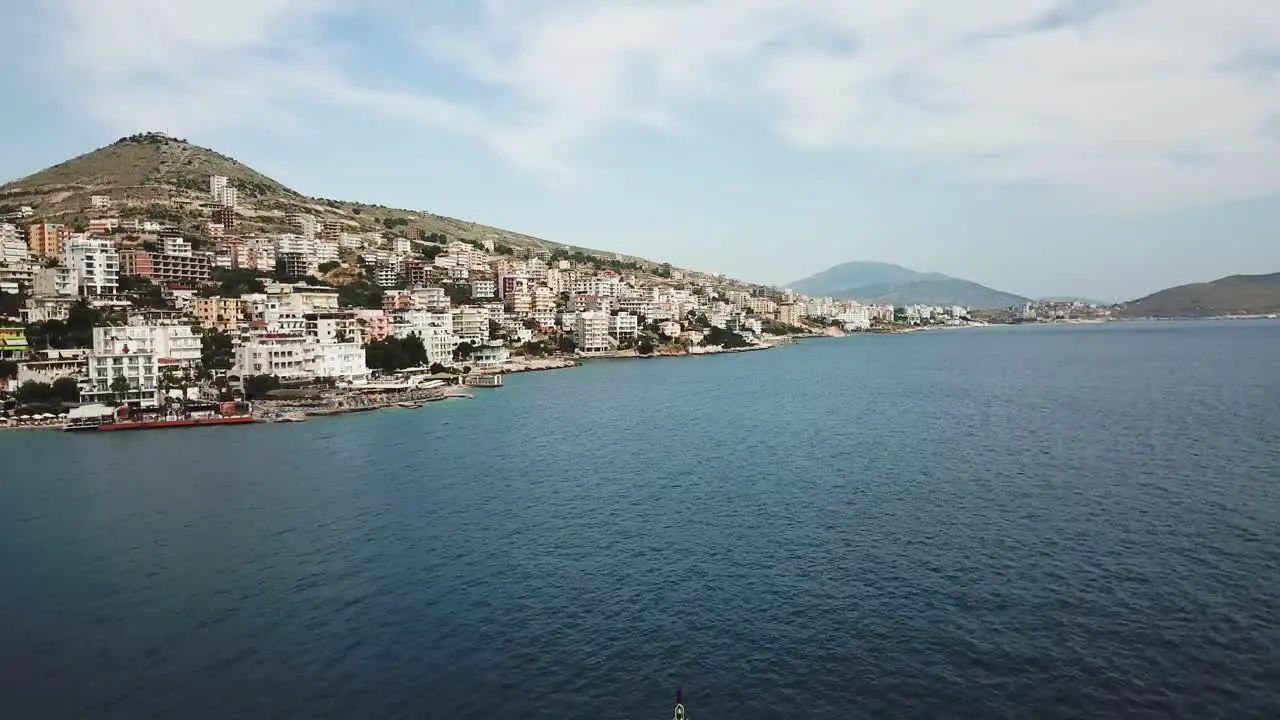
(591, 332)
(165, 268)
(332, 326)
(48, 240)
(225, 215)
(176, 343)
(140, 368)
(471, 325)
(306, 224)
(100, 202)
(175, 245)
(95, 264)
(544, 306)
(13, 249)
(222, 192)
(624, 326)
(220, 313)
(370, 325)
(483, 289)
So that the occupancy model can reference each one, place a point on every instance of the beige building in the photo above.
(220, 313)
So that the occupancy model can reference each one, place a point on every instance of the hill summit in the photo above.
(161, 177)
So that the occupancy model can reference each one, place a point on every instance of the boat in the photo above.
(105, 419)
(483, 381)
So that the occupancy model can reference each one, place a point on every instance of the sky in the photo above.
(1095, 148)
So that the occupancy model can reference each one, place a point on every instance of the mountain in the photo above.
(158, 177)
(1234, 295)
(885, 283)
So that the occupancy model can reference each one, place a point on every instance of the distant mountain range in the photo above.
(1234, 295)
(885, 283)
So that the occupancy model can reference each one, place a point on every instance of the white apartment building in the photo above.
(331, 327)
(326, 251)
(60, 281)
(94, 263)
(491, 354)
(139, 367)
(543, 310)
(435, 328)
(610, 286)
(401, 246)
(591, 332)
(471, 325)
(280, 354)
(100, 202)
(306, 223)
(670, 328)
(177, 343)
(341, 361)
(13, 249)
(221, 191)
(480, 289)
(176, 246)
(624, 326)
(388, 275)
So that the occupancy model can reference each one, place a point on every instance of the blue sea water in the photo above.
(1034, 522)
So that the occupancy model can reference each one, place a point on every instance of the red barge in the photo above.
(125, 418)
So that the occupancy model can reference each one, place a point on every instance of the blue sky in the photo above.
(1102, 148)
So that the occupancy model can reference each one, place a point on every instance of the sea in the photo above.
(1008, 522)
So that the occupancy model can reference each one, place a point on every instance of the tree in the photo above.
(217, 351)
(257, 386)
(119, 387)
(391, 354)
(463, 351)
(33, 391)
(567, 345)
(11, 304)
(66, 390)
(645, 347)
(328, 267)
(437, 368)
(234, 283)
(458, 293)
(361, 294)
(724, 338)
(495, 330)
(8, 369)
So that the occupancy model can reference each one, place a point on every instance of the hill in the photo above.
(1234, 295)
(885, 283)
(163, 178)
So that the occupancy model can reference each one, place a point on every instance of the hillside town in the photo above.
(132, 309)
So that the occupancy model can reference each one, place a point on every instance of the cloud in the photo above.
(1118, 105)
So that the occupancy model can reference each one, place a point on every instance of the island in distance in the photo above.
(888, 284)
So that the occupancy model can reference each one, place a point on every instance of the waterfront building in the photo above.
(591, 332)
(53, 364)
(492, 353)
(471, 325)
(624, 326)
(176, 343)
(139, 367)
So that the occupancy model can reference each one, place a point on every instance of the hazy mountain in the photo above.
(885, 283)
(1234, 295)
